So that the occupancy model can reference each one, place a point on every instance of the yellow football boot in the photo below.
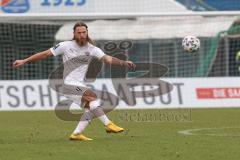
(79, 137)
(113, 128)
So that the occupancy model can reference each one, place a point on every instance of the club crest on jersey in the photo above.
(87, 53)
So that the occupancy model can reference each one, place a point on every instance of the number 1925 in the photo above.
(65, 2)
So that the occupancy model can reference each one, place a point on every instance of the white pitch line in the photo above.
(189, 132)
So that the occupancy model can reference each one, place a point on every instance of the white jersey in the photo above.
(75, 55)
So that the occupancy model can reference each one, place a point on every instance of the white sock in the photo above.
(84, 121)
(99, 113)
(104, 119)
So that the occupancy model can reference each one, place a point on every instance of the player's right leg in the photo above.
(83, 123)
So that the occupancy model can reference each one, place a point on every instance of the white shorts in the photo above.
(74, 91)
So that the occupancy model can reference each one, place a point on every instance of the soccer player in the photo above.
(82, 47)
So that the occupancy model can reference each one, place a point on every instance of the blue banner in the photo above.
(15, 6)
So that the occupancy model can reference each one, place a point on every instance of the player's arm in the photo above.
(115, 61)
(33, 58)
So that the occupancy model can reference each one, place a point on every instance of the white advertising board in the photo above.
(186, 93)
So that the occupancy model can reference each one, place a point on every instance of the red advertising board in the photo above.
(214, 93)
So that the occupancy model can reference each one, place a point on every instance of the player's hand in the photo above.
(130, 65)
(18, 63)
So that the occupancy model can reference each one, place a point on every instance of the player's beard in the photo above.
(81, 42)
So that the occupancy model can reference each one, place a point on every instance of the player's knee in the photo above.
(94, 104)
(89, 96)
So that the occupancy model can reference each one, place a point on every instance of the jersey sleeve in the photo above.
(98, 53)
(58, 49)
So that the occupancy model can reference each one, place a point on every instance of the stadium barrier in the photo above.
(215, 92)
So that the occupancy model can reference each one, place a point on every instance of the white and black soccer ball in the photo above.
(191, 44)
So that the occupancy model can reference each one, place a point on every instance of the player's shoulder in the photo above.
(94, 48)
(64, 44)
(71, 42)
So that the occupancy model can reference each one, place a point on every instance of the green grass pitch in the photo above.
(150, 134)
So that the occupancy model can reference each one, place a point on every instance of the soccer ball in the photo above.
(191, 44)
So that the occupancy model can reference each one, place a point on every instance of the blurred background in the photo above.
(154, 28)
(198, 119)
